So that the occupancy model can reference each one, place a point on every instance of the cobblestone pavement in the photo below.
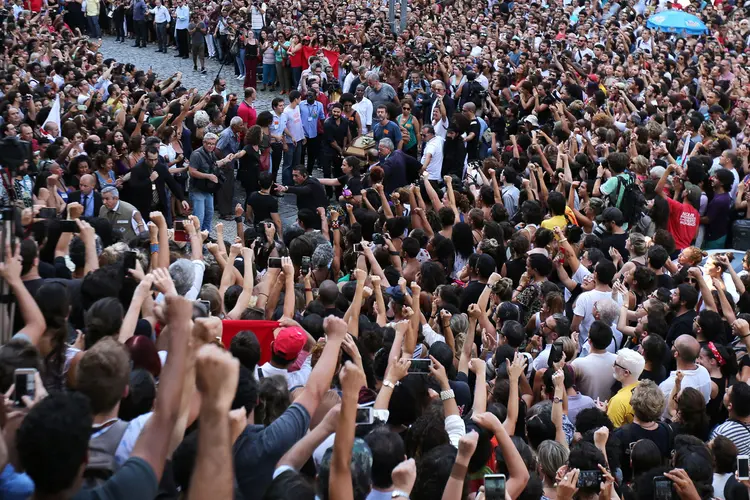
(165, 65)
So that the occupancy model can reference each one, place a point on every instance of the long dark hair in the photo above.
(52, 299)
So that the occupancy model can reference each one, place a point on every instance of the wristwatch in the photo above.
(399, 494)
(557, 400)
(388, 383)
(446, 395)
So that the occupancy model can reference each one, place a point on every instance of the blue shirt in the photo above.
(390, 130)
(15, 485)
(88, 204)
(310, 115)
(139, 11)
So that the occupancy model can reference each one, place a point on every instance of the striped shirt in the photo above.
(737, 432)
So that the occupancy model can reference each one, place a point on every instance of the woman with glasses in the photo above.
(409, 125)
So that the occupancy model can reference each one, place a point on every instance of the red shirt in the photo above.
(248, 114)
(683, 223)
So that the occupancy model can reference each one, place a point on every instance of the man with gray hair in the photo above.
(204, 179)
(552, 328)
(378, 92)
(126, 220)
(397, 166)
(229, 143)
(608, 310)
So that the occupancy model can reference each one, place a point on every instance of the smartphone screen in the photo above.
(364, 415)
(23, 378)
(494, 486)
(274, 262)
(420, 365)
(47, 213)
(129, 261)
(589, 478)
(305, 266)
(743, 467)
(662, 488)
(555, 353)
(179, 231)
(357, 247)
(68, 226)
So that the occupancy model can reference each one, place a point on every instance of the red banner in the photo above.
(262, 329)
(332, 56)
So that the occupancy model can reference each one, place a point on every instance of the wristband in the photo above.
(308, 289)
(154, 247)
(334, 224)
(395, 254)
(446, 395)
(238, 219)
(399, 494)
(563, 240)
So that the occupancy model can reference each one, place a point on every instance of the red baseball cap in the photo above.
(289, 342)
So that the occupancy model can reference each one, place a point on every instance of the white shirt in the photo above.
(294, 123)
(594, 374)
(364, 109)
(434, 147)
(541, 361)
(183, 17)
(585, 307)
(697, 379)
(161, 14)
(293, 379)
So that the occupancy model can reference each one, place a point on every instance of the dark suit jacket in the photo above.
(137, 190)
(76, 196)
(400, 169)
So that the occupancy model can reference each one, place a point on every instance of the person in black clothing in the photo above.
(684, 300)
(350, 184)
(138, 189)
(472, 138)
(479, 276)
(657, 257)
(454, 153)
(261, 205)
(249, 169)
(614, 237)
(310, 192)
(336, 137)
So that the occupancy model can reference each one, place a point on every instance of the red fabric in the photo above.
(296, 59)
(331, 55)
(249, 115)
(683, 223)
(261, 328)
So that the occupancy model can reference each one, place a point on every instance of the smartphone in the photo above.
(364, 415)
(662, 488)
(82, 107)
(305, 266)
(378, 239)
(23, 378)
(555, 353)
(207, 305)
(420, 365)
(357, 247)
(274, 262)
(47, 213)
(68, 226)
(743, 467)
(589, 479)
(179, 231)
(129, 262)
(494, 486)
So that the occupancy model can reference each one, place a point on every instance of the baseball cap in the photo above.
(289, 342)
(693, 194)
(631, 361)
(594, 78)
(611, 214)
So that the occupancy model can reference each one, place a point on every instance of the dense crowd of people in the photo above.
(517, 266)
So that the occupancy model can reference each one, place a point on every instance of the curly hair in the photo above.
(647, 401)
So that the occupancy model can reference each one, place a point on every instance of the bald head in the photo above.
(328, 292)
(87, 184)
(687, 348)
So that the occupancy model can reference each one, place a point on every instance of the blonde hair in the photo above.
(694, 255)
(647, 401)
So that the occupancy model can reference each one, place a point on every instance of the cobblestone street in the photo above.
(165, 65)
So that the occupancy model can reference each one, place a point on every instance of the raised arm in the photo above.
(454, 488)
(340, 481)
(518, 475)
(10, 271)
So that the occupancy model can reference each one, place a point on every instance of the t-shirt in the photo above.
(197, 37)
(631, 433)
(259, 448)
(135, 479)
(616, 241)
(683, 223)
(390, 131)
(353, 184)
(472, 146)
(294, 124)
(698, 379)
(608, 187)
(263, 206)
(718, 215)
(594, 375)
(585, 308)
(681, 325)
(435, 148)
(619, 410)
(578, 403)
(556, 221)
(737, 432)
(385, 95)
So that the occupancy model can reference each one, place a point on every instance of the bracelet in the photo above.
(399, 494)
(395, 254)
(334, 224)
(388, 383)
(308, 289)
(446, 395)
(154, 247)
(562, 240)
(744, 336)
(238, 219)
(263, 294)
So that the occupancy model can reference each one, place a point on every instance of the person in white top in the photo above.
(685, 351)
(182, 16)
(161, 19)
(584, 308)
(552, 328)
(286, 347)
(363, 107)
(594, 372)
(432, 159)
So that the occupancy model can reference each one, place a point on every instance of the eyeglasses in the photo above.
(618, 365)
(406, 108)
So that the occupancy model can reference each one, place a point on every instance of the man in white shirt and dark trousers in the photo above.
(285, 349)
(161, 19)
(182, 15)
(432, 157)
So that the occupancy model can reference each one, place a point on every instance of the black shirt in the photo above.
(664, 281)
(681, 325)
(616, 241)
(334, 132)
(352, 183)
(471, 295)
(263, 206)
(310, 194)
(472, 146)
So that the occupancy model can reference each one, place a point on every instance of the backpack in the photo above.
(633, 202)
(101, 465)
(474, 90)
